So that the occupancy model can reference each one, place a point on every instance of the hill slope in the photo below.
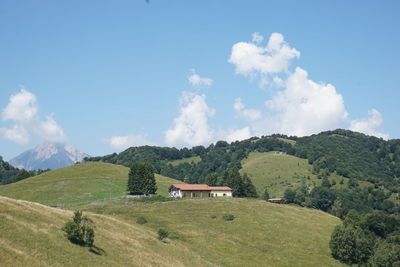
(78, 183)
(30, 235)
(278, 171)
(262, 234)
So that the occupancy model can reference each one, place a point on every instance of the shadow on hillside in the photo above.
(98, 251)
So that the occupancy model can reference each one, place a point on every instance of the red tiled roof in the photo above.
(200, 187)
(221, 188)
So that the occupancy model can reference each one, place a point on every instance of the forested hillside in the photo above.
(361, 159)
(349, 154)
(7, 172)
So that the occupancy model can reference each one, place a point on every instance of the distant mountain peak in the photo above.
(48, 155)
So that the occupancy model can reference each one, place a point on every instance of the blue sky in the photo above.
(104, 75)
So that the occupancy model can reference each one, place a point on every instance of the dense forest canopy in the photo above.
(7, 172)
(349, 154)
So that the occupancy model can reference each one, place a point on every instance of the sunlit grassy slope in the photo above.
(78, 183)
(262, 234)
(30, 235)
(277, 171)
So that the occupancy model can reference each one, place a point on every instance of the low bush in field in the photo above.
(228, 217)
(162, 234)
(141, 220)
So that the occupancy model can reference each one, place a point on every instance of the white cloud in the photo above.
(251, 59)
(238, 135)
(257, 37)
(50, 130)
(197, 80)
(248, 114)
(191, 126)
(124, 142)
(21, 107)
(17, 133)
(304, 107)
(371, 125)
(301, 106)
(22, 110)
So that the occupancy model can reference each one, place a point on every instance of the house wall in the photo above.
(175, 193)
(199, 194)
(195, 194)
(220, 193)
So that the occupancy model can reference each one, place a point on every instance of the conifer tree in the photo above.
(141, 179)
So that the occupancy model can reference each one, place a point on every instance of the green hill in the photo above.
(79, 183)
(262, 234)
(30, 235)
(277, 171)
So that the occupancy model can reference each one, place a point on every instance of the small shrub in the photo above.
(228, 217)
(162, 234)
(141, 220)
(80, 230)
(213, 216)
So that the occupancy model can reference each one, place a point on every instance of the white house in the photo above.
(198, 191)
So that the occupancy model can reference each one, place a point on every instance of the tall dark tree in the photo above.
(322, 198)
(265, 195)
(141, 179)
(248, 187)
(211, 179)
(351, 245)
(233, 179)
(289, 195)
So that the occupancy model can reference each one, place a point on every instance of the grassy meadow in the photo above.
(262, 234)
(79, 183)
(277, 171)
(30, 235)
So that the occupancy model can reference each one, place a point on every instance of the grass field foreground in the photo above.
(262, 234)
(31, 235)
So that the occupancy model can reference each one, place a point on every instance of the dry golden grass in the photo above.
(262, 234)
(30, 235)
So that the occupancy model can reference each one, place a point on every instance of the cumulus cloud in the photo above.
(238, 135)
(251, 59)
(197, 80)
(23, 112)
(257, 38)
(21, 107)
(371, 125)
(191, 126)
(299, 105)
(17, 134)
(50, 130)
(124, 142)
(305, 107)
(248, 114)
